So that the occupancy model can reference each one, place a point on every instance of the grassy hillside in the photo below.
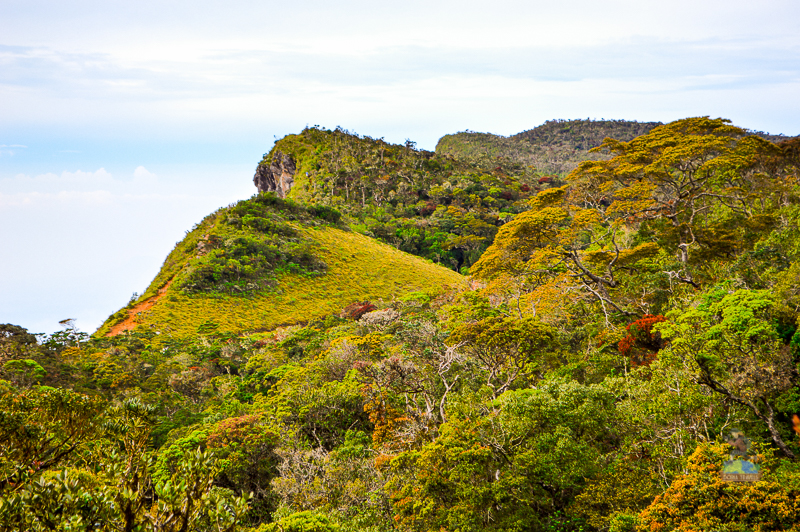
(348, 267)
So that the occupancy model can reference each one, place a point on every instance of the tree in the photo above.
(113, 485)
(306, 521)
(508, 350)
(406, 394)
(701, 500)
(15, 341)
(730, 345)
(557, 236)
(516, 464)
(679, 172)
(40, 430)
(246, 446)
(25, 372)
(642, 344)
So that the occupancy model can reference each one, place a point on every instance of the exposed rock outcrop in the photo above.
(276, 177)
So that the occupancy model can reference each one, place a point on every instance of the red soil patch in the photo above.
(129, 323)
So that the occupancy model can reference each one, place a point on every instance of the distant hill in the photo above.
(583, 134)
(553, 148)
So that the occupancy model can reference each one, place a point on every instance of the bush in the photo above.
(328, 214)
(302, 522)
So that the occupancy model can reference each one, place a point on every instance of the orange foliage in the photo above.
(701, 500)
(385, 418)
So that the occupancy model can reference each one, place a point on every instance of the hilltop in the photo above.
(314, 239)
(433, 206)
(554, 148)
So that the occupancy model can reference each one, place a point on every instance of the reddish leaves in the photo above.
(642, 343)
(355, 310)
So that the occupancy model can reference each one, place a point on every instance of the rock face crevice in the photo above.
(277, 176)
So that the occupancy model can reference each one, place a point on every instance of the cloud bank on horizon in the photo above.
(205, 70)
(129, 122)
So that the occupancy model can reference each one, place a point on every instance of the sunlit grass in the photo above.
(359, 268)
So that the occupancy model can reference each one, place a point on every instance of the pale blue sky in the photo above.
(123, 123)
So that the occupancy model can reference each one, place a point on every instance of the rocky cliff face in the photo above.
(276, 177)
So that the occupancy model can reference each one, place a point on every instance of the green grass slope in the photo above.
(356, 268)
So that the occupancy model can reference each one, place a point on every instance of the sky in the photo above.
(122, 124)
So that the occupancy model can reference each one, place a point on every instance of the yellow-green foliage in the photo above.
(625, 256)
(180, 254)
(359, 268)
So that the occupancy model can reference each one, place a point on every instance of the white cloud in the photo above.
(238, 93)
(6, 152)
(142, 177)
(50, 183)
(78, 185)
(74, 198)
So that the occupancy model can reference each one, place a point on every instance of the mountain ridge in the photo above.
(299, 366)
(555, 147)
(444, 206)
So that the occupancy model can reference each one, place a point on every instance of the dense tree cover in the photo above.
(70, 462)
(619, 327)
(422, 203)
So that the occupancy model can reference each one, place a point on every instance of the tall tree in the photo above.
(680, 172)
(731, 346)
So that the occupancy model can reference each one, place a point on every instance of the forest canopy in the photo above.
(625, 324)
